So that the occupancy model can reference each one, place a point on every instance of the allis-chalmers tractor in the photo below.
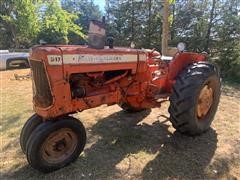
(68, 79)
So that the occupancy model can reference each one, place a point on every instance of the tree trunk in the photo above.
(107, 7)
(149, 22)
(173, 23)
(132, 22)
(165, 28)
(206, 48)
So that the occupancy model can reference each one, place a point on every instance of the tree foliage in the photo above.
(135, 21)
(228, 40)
(204, 25)
(24, 22)
(18, 22)
(85, 10)
(212, 26)
(57, 23)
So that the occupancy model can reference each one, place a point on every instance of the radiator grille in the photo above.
(41, 90)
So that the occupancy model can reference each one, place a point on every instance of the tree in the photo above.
(18, 22)
(152, 24)
(86, 10)
(136, 20)
(210, 25)
(56, 23)
(190, 23)
(116, 18)
(228, 40)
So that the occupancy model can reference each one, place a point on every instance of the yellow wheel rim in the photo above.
(205, 101)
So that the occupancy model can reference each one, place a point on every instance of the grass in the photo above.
(127, 146)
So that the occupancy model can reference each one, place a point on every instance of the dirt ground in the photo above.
(126, 146)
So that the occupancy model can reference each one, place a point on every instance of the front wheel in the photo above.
(55, 144)
(31, 124)
(195, 98)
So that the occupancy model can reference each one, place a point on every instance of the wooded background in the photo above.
(204, 25)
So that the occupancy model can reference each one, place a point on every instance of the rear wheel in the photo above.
(195, 98)
(28, 128)
(53, 145)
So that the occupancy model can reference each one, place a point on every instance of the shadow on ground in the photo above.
(118, 136)
(183, 157)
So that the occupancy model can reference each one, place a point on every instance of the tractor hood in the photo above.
(70, 55)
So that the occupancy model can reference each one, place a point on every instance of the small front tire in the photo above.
(31, 124)
(55, 144)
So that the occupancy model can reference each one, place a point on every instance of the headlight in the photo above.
(181, 47)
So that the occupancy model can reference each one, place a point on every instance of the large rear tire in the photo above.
(55, 144)
(27, 129)
(195, 98)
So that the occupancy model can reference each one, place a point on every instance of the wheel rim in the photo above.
(205, 101)
(59, 146)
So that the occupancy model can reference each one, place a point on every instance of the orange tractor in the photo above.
(69, 79)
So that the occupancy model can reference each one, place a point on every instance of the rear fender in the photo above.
(180, 62)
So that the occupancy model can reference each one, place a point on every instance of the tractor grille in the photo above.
(41, 90)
